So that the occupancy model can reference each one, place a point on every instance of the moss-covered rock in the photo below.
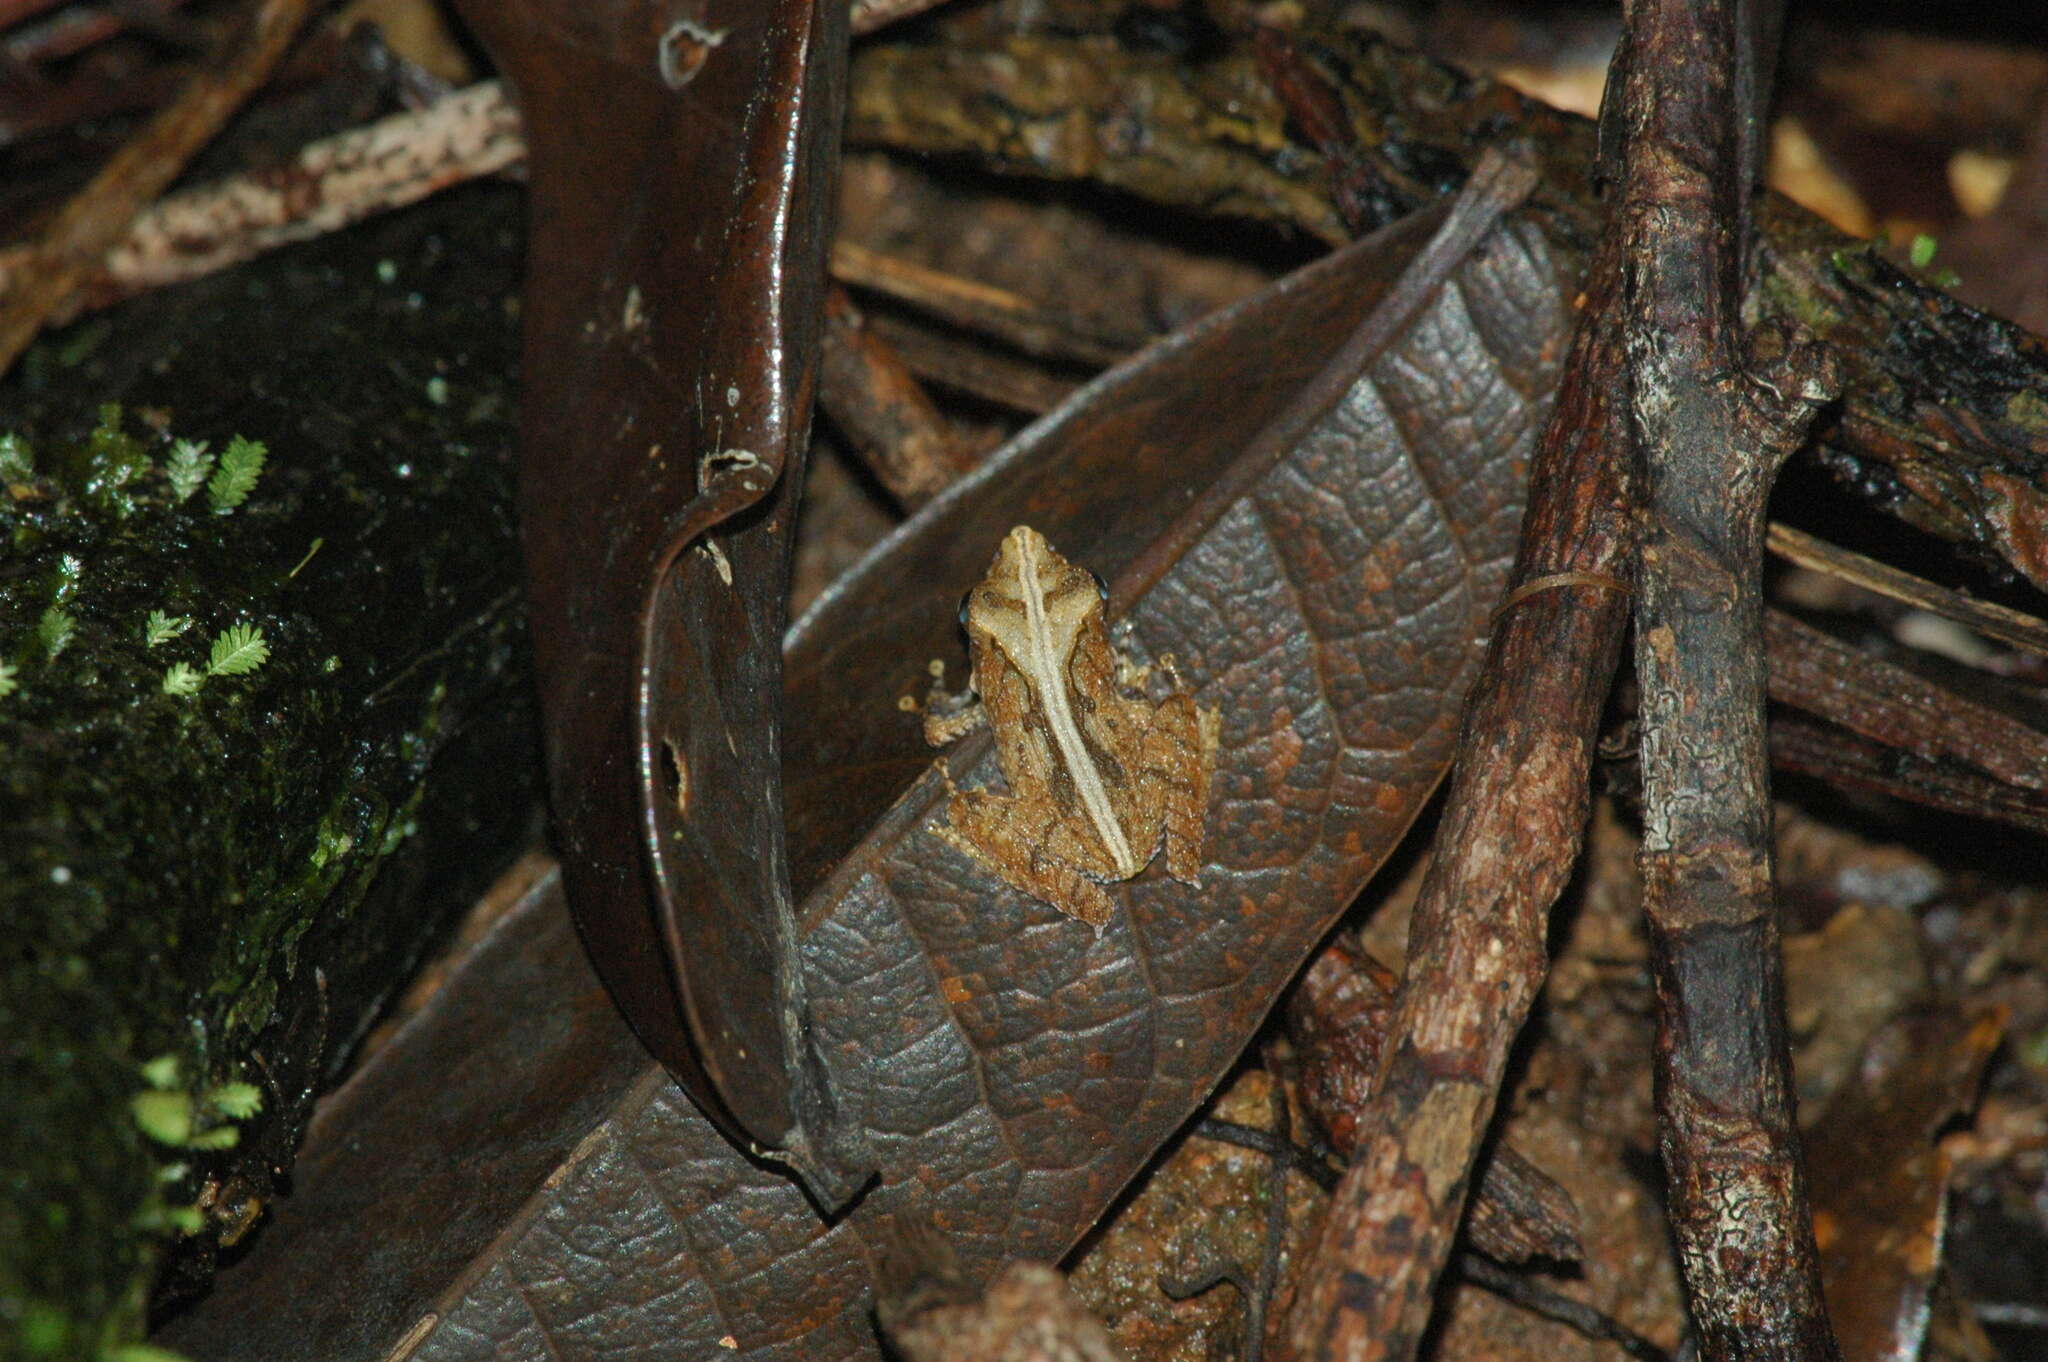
(264, 726)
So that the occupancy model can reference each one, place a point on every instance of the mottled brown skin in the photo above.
(1098, 777)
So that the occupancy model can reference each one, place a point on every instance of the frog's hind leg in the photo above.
(1180, 754)
(989, 830)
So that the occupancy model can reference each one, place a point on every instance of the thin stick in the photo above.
(872, 15)
(1511, 830)
(869, 393)
(1539, 1299)
(335, 181)
(1886, 703)
(1712, 427)
(97, 216)
(1849, 761)
(977, 370)
(980, 307)
(2003, 623)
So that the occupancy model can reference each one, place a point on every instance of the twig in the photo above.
(97, 216)
(1712, 425)
(871, 396)
(870, 16)
(1539, 1299)
(976, 306)
(1988, 618)
(1847, 761)
(329, 184)
(1306, 1162)
(2012, 1314)
(1256, 1291)
(976, 370)
(1510, 833)
(1868, 695)
(1478, 1268)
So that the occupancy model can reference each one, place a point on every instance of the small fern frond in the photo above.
(231, 483)
(237, 652)
(17, 461)
(55, 630)
(163, 628)
(187, 467)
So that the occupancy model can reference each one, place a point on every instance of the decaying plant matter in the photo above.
(1306, 507)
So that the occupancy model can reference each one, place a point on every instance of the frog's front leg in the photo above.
(1180, 756)
(996, 832)
(950, 715)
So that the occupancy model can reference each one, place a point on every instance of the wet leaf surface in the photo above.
(665, 407)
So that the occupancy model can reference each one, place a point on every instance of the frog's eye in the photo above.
(1101, 587)
(966, 599)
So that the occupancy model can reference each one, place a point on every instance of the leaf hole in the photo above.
(675, 777)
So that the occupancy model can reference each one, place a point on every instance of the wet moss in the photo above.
(265, 726)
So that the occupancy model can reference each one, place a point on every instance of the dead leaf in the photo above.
(1011, 1068)
(679, 177)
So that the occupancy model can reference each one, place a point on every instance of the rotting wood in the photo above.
(1712, 419)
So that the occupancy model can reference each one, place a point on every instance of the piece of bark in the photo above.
(1712, 422)
(1339, 1017)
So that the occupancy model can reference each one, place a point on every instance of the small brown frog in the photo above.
(1098, 774)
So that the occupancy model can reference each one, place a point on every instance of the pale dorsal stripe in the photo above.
(1049, 670)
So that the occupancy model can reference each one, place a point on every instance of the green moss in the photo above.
(218, 746)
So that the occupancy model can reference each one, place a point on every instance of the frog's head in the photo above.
(1034, 605)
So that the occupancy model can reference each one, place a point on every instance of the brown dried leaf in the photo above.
(679, 174)
(1880, 1181)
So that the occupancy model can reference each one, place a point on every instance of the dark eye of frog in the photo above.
(966, 599)
(1101, 587)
